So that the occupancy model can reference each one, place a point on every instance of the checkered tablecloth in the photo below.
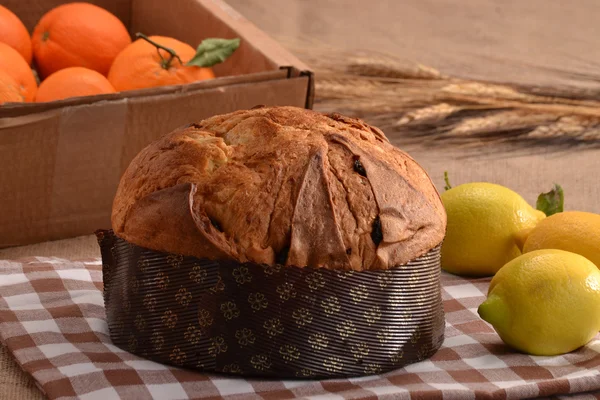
(52, 320)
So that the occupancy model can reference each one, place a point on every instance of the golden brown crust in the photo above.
(280, 184)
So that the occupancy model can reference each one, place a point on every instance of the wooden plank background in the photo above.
(536, 42)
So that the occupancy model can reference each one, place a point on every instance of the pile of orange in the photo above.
(79, 49)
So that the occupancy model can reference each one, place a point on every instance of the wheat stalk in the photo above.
(413, 102)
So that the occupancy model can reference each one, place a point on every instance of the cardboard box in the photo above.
(62, 161)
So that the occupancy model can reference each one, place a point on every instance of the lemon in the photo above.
(485, 223)
(575, 231)
(546, 302)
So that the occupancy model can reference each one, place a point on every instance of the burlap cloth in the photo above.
(14, 383)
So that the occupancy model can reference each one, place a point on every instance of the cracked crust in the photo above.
(280, 184)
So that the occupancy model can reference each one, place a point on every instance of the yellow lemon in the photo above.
(575, 231)
(485, 224)
(546, 302)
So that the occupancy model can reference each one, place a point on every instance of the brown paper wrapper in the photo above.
(270, 321)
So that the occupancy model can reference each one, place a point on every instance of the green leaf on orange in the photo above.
(213, 51)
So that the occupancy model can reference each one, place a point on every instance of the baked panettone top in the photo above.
(280, 185)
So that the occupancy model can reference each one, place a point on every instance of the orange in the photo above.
(9, 90)
(78, 35)
(17, 68)
(141, 66)
(73, 82)
(14, 33)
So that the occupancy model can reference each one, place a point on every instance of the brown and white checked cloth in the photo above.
(52, 320)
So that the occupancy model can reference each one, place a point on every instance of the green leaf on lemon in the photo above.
(213, 51)
(552, 202)
(447, 181)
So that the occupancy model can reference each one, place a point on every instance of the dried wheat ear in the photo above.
(417, 103)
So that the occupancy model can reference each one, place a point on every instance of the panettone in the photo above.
(280, 185)
(275, 242)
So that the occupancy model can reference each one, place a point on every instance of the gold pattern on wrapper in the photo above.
(346, 329)
(134, 286)
(302, 316)
(396, 299)
(333, 364)
(242, 275)
(305, 373)
(260, 362)
(422, 353)
(359, 293)
(416, 336)
(140, 322)
(161, 281)
(169, 319)
(245, 337)
(149, 302)
(372, 369)
(106, 271)
(198, 274)
(273, 327)
(257, 301)
(372, 315)
(192, 334)
(132, 344)
(183, 297)
(396, 357)
(346, 274)
(119, 324)
(158, 341)
(331, 305)
(272, 321)
(360, 351)
(289, 352)
(219, 286)
(384, 335)
(286, 291)
(232, 368)
(271, 269)
(230, 310)
(177, 356)
(174, 260)
(204, 318)
(217, 346)
(318, 341)
(143, 265)
(315, 281)
(384, 279)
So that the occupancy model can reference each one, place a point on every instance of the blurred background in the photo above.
(534, 42)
